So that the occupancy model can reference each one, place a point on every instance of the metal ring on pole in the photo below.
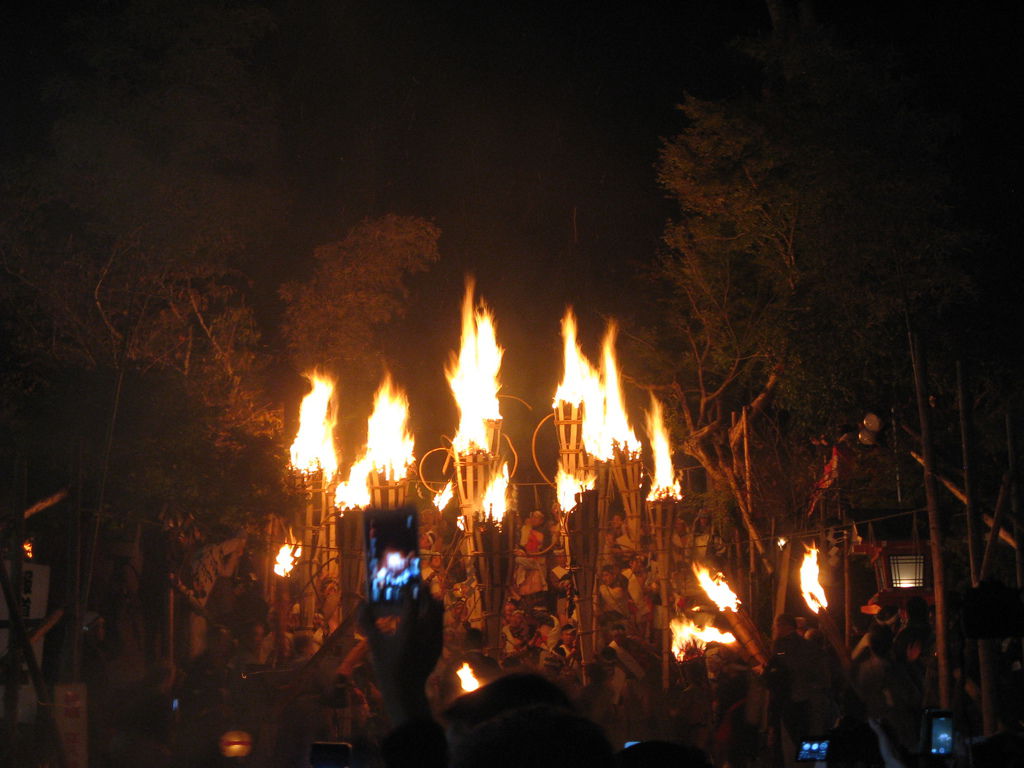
(419, 469)
(533, 447)
(515, 456)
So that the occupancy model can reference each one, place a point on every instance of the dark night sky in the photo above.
(528, 131)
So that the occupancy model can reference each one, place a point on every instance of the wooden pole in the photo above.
(986, 653)
(1011, 459)
(934, 526)
(782, 587)
(847, 584)
(965, 450)
(993, 534)
(19, 640)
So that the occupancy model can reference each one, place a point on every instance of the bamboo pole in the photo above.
(993, 534)
(934, 527)
(986, 653)
(1004, 535)
(1011, 459)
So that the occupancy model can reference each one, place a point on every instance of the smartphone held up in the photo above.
(391, 546)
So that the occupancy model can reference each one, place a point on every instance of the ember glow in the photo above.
(814, 594)
(495, 502)
(287, 556)
(467, 678)
(664, 484)
(689, 638)
(473, 376)
(717, 589)
(388, 447)
(313, 447)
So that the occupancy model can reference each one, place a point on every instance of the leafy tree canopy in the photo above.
(811, 219)
(334, 318)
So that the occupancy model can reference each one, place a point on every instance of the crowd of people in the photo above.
(393, 686)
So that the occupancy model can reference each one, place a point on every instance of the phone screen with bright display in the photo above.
(812, 750)
(942, 735)
(391, 539)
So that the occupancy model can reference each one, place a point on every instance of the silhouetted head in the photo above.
(540, 736)
(663, 754)
(513, 691)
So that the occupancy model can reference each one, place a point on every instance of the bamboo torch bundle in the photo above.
(749, 636)
(814, 596)
(626, 472)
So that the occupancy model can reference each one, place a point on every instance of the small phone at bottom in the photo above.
(813, 749)
(330, 754)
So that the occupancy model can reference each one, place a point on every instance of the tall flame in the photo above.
(313, 447)
(466, 678)
(617, 431)
(287, 556)
(689, 638)
(605, 424)
(814, 594)
(664, 484)
(581, 382)
(717, 589)
(473, 375)
(389, 447)
(495, 502)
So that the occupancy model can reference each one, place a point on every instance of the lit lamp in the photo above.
(906, 570)
(902, 571)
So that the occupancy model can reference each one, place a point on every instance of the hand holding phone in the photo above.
(391, 539)
(406, 651)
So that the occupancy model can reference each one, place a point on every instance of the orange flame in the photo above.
(581, 382)
(447, 494)
(717, 589)
(389, 447)
(496, 502)
(605, 423)
(689, 638)
(567, 486)
(313, 447)
(617, 433)
(473, 376)
(814, 594)
(287, 556)
(467, 678)
(664, 484)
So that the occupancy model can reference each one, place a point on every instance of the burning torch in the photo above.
(750, 638)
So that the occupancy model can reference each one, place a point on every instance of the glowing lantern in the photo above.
(811, 588)
(664, 484)
(313, 447)
(235, 744)
(467, 678)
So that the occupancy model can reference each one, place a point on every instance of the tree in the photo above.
(334, 318)
(811, 221)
